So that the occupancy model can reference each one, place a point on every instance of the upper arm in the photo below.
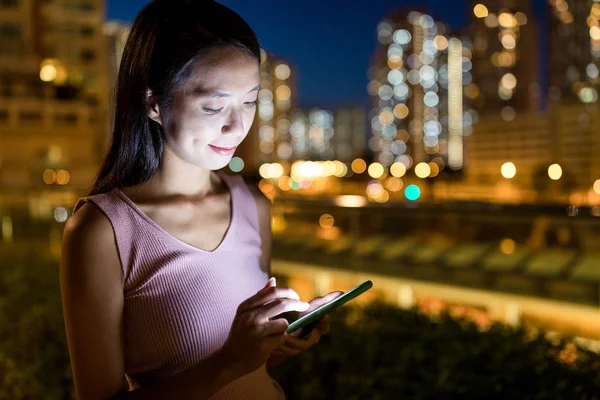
(263, 205)
(92, 297)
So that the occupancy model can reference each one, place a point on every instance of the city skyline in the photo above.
(331, 60)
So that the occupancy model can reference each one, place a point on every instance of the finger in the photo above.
(287, 351)
(276, 326)
(299, 344)
(323, 325)
(302, 344)
(274, 342)
(318, 301)
(281, 305)
(267, 295)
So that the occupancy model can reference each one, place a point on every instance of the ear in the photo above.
(153, 111)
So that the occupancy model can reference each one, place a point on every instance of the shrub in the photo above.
(388, 353)
(377, 352)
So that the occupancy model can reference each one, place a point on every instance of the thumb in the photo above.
(271, 283)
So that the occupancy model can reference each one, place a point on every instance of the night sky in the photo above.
(329, 43)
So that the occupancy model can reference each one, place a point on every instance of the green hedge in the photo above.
(394, 354)
(387, 354)
(34, 360)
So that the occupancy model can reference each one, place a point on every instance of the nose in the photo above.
(234, 125)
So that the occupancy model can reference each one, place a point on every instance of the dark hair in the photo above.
(167, 40)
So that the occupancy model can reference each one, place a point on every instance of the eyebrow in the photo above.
(203, 92)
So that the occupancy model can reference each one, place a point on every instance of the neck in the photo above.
(176, 177)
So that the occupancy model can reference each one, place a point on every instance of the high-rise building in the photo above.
(574, 50)
(416, 81)
(505, 57)
(319, 134)
(52, 95)
(568, 136)
(312, 133)
(269, 139)
(115, 34)
(350, 133)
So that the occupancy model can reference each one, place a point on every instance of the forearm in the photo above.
(197, 383)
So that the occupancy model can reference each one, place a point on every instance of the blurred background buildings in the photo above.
(498, 120)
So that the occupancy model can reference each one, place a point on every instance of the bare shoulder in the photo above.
(88, 220)
(88, 242)
(92, 296)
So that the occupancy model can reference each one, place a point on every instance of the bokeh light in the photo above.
(412, 192)
(48, 73)
(386, 117)
(480, 11)
(597, 186)
(508, 113)
(49, 176)
(507, 20)
(63, 177)
(283, 92)
(509, 81)
(401, 111)
(588, 95)
(398, 169)
(555, 172)
(284, 183)
(374, 189)
(376, 170)
(508, 170)
(351, 201)
(422, 170)
(393, 184)
(272, 171)
(282, 71)
(236, 164)
(267, 187)
(326, 221)
(60, 214)
(435, 169)
(359, 166)
(440, 42)
(507, 246)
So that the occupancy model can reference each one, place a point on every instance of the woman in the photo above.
(165, 265)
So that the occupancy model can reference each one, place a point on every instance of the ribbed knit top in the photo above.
(180, 301)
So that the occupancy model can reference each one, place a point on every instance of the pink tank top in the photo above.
(180, 301)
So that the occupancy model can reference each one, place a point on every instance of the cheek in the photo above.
(193, 131)
(248, 120)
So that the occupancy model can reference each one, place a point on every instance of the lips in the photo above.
(224, 151)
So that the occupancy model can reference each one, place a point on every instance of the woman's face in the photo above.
(212, 113)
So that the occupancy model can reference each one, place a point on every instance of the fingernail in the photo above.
(274, 281)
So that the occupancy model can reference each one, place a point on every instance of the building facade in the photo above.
(505, 57)
(574, 50)
(417, 81)
(52, 96)
(269, 139)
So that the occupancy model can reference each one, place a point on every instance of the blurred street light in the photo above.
(554, 172)
(508, 170)
(480, 11)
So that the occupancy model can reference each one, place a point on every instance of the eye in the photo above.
(212, 110)
(251, 103)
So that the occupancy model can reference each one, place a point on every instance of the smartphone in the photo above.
(308, 321)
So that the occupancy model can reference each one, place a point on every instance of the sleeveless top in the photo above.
(180, 301)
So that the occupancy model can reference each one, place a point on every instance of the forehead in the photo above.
(228, 69)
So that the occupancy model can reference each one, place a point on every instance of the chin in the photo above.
(214, 164)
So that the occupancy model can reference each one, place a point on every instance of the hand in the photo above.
(293, 344)
(254, 335)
